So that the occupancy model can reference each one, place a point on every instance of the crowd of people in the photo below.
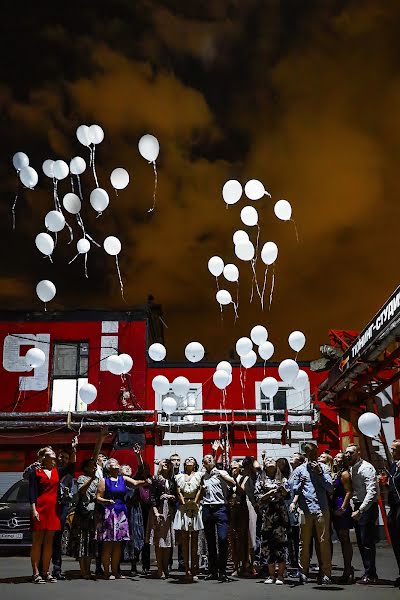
(269, 517)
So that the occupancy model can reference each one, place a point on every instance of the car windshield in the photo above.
(19, 492)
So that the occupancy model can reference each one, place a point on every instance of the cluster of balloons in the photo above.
(244, 347)
(58, 170)
(180, 387)
(222, 376)
(119, 364)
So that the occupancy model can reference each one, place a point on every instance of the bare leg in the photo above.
(158, 551)
(47, 550)
(281, 570)
(271, 570)
(36, 550)
(106, 557)
(115, 558)
(185, 549)
(347, 551)
(194, 551)
(165, 554)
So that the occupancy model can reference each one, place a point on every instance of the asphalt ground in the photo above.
(15, 584)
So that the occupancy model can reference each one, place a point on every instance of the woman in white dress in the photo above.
(188, 519)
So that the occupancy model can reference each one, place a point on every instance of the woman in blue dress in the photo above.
(341, 513)
(113, 526)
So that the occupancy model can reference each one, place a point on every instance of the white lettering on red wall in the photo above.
(14, 359)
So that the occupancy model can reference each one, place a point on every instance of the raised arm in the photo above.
(103, 433)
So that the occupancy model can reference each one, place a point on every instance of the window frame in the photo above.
(77, 377)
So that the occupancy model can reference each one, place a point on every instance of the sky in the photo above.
(303, 96)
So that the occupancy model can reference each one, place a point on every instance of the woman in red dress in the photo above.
(43, 496)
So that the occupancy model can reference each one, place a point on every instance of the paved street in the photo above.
(15, 584)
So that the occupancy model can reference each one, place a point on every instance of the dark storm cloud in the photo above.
(303, 96)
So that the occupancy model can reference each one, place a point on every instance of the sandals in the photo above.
(38, 579)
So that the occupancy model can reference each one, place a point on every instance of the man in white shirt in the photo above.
(215, 515)
(366, 512)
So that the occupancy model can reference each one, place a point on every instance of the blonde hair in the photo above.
(126, 470)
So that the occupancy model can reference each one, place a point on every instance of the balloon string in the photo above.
(252, 286)
(80, 187)
(263, 288)
(120, 278)
(236, 313)
(257, 242)
(90, 156)
(94, 166)
(265, 362)
(82, 226)
(71, 234)
(71, 261)
(272, 288)
(266, 193)
(99, 215)
(86, 273)
(13, 209)
(216, 279)
(45, 307)
(253, 262)
(155, 186)
(72, 184)
(295, 228)
(237, 295)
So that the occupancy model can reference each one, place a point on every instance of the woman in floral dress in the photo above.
(113, 527)
(271, 492)
(188, 521)
(161, 517)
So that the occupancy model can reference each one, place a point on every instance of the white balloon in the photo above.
(28, 177)
(224, 365)
(369, 424)
(216, 266)
(191, 401)
(99, 199)
(83, 246)
(249, 360)
(180, 386)
(243, 346)
(169, 405)
(35, 357)
(245, 250)
(160, 385)
(301, 381)
(44, 243)
(46, 290)
(266, 350)
(20, 160)
(48, 167)
(223, 297)
(157, 352)
(231, 272)
(96, 134)
(249, 216)
(288, 370)
(127, 362)
(119, 178)
(232, 191)
(54, 221)
(269, 387)
(115, 364)
(269, 253)
(221, 379)
(254, 189)
(87, 393)
(297, 340)
(149, 147)
(240, 236)
(82, 133)
(60, 169)
(72, 203)
(194, 352)
(283, 210)
(112, 245)
(77, 165)
(259, 334)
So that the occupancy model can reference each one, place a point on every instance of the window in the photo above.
(69, 373)
(278, 402)
(18, 493)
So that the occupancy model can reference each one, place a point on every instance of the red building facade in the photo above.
(76, 346)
